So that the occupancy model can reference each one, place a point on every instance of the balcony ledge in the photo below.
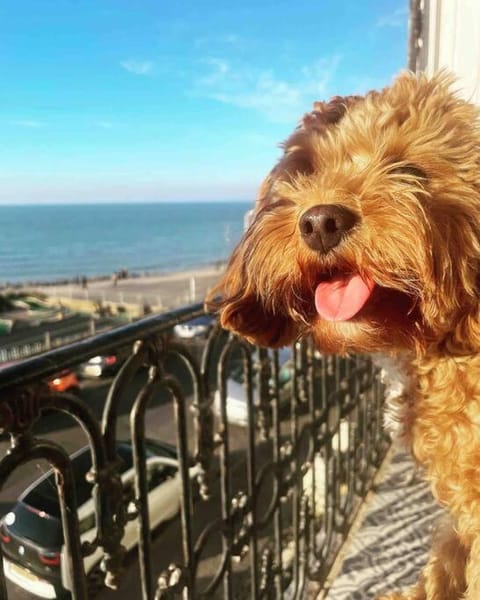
(389, 546)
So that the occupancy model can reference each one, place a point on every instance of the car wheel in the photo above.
(95, 581)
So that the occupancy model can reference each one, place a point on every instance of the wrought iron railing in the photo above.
(276, 451)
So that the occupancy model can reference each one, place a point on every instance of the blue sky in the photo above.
(150, 100)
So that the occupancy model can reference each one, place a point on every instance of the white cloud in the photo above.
(277, 98)
(397, 18)
(29, 123)
(217, 71)
(137, 67)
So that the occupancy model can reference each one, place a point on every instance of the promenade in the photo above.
(158, 292)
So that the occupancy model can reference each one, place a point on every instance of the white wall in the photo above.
(452, 40)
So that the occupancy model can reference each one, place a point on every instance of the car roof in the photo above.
(42, 494)
(201, 320)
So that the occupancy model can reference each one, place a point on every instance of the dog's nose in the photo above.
(324, 225)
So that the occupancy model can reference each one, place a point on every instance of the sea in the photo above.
(52, 243)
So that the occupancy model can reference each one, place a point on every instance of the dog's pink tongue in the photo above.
(342, 297)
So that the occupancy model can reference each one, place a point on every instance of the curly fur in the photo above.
(406, 161)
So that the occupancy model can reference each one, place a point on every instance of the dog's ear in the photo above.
(449, 303)
(242, 309)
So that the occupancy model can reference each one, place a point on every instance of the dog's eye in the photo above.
(275, 204)
(411, 171)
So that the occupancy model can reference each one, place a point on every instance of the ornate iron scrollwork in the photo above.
(265, 501)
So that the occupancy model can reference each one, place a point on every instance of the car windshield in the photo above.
(203, 320)
(37, 515)
(37, 526)
(43, 497)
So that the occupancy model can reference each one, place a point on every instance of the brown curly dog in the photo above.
(366, 234)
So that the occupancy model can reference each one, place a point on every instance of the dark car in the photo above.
(32, 535)
(197, 327)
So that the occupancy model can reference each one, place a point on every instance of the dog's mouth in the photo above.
(341, 296)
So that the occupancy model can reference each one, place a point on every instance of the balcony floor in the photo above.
(390, 546)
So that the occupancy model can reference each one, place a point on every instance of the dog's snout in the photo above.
(323, 226)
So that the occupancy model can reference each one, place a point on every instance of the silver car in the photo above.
(236, 396)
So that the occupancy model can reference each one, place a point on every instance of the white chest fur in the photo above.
(398, 381)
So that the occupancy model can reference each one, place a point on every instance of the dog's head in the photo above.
(367, 231)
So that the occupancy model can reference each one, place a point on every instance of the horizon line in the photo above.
(123, 202)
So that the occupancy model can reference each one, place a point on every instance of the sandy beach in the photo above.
(156, 291)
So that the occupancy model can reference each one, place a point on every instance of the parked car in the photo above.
(236, 397)
(31, 533)
(101, 366)
(198, 327)
(65, 381)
